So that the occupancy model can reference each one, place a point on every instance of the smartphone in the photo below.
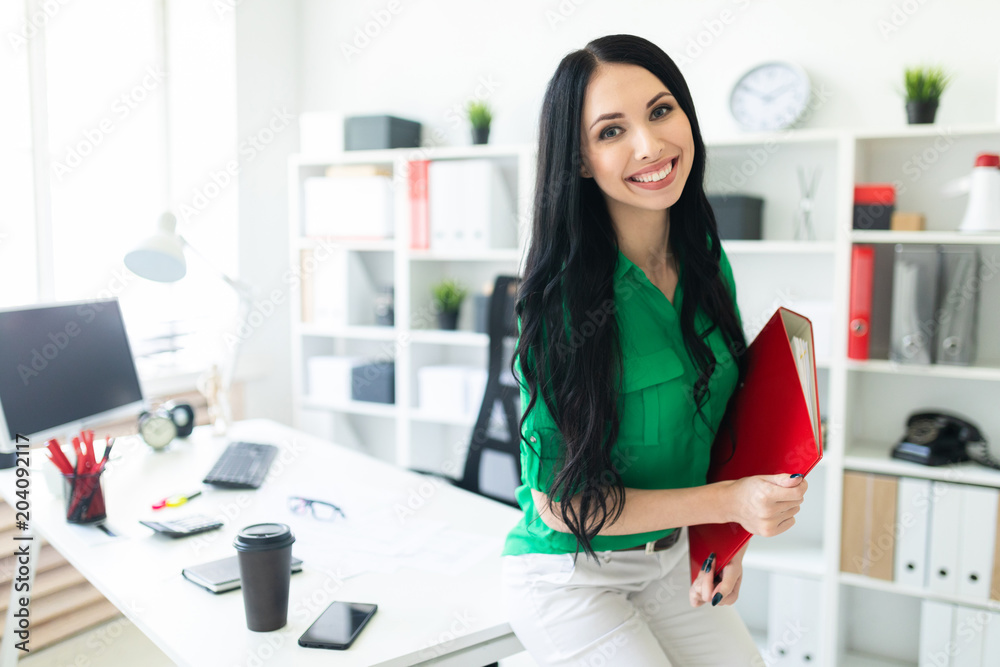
(338, 625)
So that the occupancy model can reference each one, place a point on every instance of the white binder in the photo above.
(978, 527)
(913, 514)
(991, 640)
(946, 515)
(793, 623)
(936, 620)
(445, 202)
(471, 207)
(967, 637)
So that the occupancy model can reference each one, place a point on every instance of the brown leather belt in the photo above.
(660, 544)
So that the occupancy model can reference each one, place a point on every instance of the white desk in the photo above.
(423, 618)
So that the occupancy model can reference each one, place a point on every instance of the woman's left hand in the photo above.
(704, 589)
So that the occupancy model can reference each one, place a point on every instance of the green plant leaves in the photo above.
(924, 84)
(448, 295)
(479, 114)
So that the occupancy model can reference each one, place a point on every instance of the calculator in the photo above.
(192, 525)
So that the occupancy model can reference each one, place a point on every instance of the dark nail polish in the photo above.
(796, 475)
(715, 600)
(707, 565)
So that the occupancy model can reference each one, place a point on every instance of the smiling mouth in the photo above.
(653, 177)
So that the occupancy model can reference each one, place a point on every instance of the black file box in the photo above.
(374, 382)
(738, 216)
(378, 132)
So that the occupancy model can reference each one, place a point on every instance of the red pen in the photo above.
(108, 444)
(91, 454)
(65, 471)
(59, 457)
(79, 455)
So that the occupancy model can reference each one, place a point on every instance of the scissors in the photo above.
(175, 501)
(803, 228)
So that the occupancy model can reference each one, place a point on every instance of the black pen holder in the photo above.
(84, 498)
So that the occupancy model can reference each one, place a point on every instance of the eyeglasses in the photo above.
(321, 509)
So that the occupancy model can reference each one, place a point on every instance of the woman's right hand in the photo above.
(766, 505)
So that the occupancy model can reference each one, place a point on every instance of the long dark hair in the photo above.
(573, 357)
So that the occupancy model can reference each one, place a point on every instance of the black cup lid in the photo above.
(263, 537)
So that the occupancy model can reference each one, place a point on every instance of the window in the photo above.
(18, 263)
(105, 88)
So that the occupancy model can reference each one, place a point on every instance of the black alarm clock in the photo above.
(171, 420)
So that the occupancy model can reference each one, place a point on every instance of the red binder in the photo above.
(860, 318)
(770, 417)
(420, 217)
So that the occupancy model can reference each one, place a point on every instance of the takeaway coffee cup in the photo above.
(264, 553)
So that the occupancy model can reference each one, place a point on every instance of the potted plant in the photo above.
(448, 296)
(480, 117)
(924, 86)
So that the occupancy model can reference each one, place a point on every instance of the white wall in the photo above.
(433, 53)
(267, 89)
(430, 56)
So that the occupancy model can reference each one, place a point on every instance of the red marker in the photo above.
(57, 457)
(79, 455)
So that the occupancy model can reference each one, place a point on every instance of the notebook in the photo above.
(222, 575)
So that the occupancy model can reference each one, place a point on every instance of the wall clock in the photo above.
(771, 96)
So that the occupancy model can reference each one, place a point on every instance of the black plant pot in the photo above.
(480, 135)
(448, 320)
(921, 112)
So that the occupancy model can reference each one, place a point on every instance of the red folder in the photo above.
(420, 218)
(860, 319)
(770, 418)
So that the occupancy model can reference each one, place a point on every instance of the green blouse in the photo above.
(662, 443)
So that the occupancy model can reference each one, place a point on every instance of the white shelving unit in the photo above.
(399, 432)
(865, 402)
(865, 621)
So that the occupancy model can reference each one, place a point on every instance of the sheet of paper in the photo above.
(804, 365)
(372, 536)
(379, 532)
(93, 536)
(455, 551)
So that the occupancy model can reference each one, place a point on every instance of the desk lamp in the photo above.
(161, 258)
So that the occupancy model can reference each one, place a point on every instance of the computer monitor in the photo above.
(63, 367)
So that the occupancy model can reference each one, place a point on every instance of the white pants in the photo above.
(631, 610)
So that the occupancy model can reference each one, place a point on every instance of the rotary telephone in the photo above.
(937, 438)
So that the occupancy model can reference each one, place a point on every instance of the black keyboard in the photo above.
(243, 465)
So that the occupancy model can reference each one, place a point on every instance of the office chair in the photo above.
(493, 464)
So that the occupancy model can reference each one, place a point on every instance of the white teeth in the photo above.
(655, 176)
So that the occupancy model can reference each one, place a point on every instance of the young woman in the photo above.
(630, 346)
